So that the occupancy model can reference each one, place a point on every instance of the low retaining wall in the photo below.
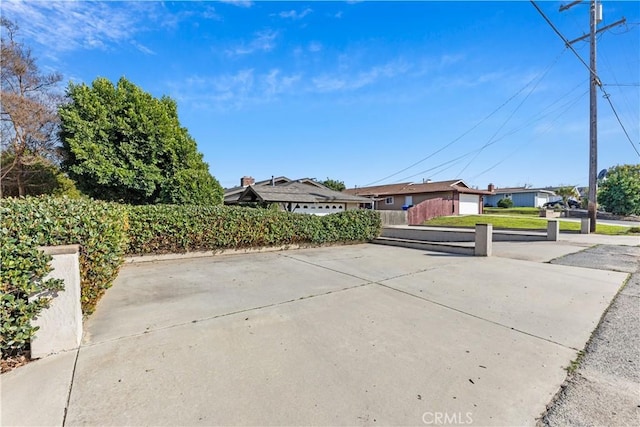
(478, 242)
(433, 234)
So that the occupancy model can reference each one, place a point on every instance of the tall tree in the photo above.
(619, 192)
(122, 144)
(334, 184)
(28, 109)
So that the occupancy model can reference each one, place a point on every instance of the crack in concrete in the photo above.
(217, 316)
(379, 283)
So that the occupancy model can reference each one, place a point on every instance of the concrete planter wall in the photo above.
(549, 213)
(60, 324)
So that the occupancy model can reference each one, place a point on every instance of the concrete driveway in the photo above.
(355, 335)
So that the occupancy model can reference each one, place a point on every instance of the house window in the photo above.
(388, 201)
(306, 207)
(340, 207)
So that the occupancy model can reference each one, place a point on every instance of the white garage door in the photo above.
(469, 204)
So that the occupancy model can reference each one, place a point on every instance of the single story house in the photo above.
(452, 197)
(520, 196)
(299, 196)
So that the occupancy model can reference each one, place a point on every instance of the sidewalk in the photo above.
(604, 389)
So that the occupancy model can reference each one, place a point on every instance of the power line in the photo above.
(608, 98)
(556, 59)
(548, 128)
(535, 118)
(622, 84)
(489, 142)
(564, 39)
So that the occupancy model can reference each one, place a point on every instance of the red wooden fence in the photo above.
(428, 209)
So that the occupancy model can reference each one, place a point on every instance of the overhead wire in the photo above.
(564, 39)
(608, 98)
(491, 140)
(537, 117)
(468, 131)
(547, 129)
(591, 71)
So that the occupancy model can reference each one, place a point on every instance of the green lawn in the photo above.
(519, 223)
(513, 211)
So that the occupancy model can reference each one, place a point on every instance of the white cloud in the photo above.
(234, 91)
(293, 14)
(142, 48)
(338, 15)
(315, 47)
(263, 41)
(239, 3)
(351, 81)
(72, 25)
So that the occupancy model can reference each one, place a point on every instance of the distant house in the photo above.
(299, 196)
(452, 197)
(520, 196)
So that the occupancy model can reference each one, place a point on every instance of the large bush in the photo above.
(98, 227)
(171, 228)
(619, 193)
(122, 144)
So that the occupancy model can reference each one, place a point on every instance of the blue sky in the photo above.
(364, 92)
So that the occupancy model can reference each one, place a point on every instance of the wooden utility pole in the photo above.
(595, 16)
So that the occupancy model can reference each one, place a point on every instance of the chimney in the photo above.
(491, 188)
(246, 181)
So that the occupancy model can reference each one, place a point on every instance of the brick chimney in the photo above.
(246, 181)
(491, 188)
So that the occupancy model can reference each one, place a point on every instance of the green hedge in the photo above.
(157, 229)
(107, 231)
(100, 228)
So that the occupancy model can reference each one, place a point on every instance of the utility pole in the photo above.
(593, 116)
(595, 16)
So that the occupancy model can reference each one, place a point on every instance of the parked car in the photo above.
(559, 204)
(554, 205)
(574, 204)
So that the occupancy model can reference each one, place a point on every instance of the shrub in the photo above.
(157, 229)
(22, 269)
(619, 193)
(98, 227)
(505, 203)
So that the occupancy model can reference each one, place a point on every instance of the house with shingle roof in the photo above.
(521, 196)
(451, 197)
(299, 196)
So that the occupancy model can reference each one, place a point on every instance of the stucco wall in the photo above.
(60, 324)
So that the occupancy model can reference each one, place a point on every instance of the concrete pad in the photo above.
(556, 303)
(36, 394)
(376, 262)
(535, 251)
(363, 356)
(152, 295)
